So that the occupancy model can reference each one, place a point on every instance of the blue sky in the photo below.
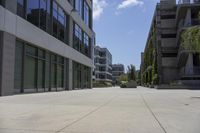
(122, 26)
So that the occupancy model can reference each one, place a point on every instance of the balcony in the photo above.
(182, 56)
(190, 72)
(183, 23)
(188, 1)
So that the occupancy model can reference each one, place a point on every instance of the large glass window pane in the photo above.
(47, 70)
(20, 8)
(41, 74)
(43, 12)
(33, 11)
(86, 45)
(48, 15)
(18, 65)
(86, 13)
(78, 6)
(53, 75)
(55, 18)
(30, 73)
(60, 75)
(41, 54)
(61, 16)
(53, 71)
(77, 37)
(31, 50)
(61, 24)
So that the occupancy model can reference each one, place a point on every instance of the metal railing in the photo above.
(188, 1)
(190, 71)
(193, 22)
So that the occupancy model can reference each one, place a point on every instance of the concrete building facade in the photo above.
(45, 45)
(165, 61)
(103, 64)
(117, 71)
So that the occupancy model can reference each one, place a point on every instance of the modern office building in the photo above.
(45, 45)
(117, 71)
(103, 64)
(165, 60)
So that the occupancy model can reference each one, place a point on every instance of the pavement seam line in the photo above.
(151, 111)
(86, 115)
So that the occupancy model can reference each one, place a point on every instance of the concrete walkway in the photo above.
(108, 110)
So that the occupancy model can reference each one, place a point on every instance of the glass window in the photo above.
(41, 74)
(47, 70)
(60, 75)
(78, 6)
(30, 73)
(55, 18)
(38, 12)
(77, 37)
(86, 45)
(86, 13)
(59, 22)
(48, 16)
(31, 50)
(53, 75)
(18, 65)
(41, 54)
(61, 16)
(41, 68)
(43, 12)
(33, 10)
(20, 8)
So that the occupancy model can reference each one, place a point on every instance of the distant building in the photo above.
(117, 71)
(165, 61)
(103, 64)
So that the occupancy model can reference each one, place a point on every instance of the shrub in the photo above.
(132, 84)
(123, 84)
(101, 84)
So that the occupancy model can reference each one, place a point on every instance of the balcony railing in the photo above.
(187, 71)
(188, 1)
(183, 23)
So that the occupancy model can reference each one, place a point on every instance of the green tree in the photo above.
(191, 38)
(131, 73)
(123, 77)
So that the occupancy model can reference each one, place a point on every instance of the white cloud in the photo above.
(130, 3)
(98, 8)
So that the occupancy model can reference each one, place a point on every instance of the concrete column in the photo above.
(91, 85)
(189, 65)
(71, 31)
(70, 74)
(65, 75)
(188, 17)
(7, 63)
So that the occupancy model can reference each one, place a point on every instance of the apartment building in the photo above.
(45, 45)
(103, 64)
(165, 61)
(117, 71)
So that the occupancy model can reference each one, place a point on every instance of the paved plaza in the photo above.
(106, 110)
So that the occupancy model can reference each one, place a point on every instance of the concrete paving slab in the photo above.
(102, 110)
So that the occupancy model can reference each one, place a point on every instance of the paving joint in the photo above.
(151, 111)
(86, 115)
